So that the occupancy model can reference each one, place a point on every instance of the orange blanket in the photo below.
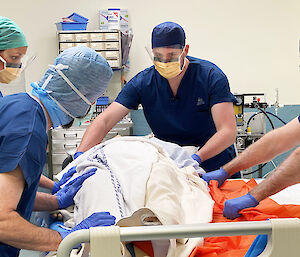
(236, 246)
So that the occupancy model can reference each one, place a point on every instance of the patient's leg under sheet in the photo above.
(178, 196)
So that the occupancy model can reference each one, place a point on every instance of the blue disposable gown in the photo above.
(23, 142)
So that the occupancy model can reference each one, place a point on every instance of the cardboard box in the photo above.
(124, 20)
(104, 19)
(114, 18)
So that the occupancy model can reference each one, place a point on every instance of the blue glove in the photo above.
(63, 180)
(234, 206)
(220, 175)
(95, 220)
(77, 154)
(197, 158)
(65, 196)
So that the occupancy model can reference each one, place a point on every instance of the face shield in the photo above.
(165, 54)
(9, 71)
(168, 61)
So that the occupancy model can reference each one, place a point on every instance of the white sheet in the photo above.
(119, 185)
(134, 172)
(289, 195)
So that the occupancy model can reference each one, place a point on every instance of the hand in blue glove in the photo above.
(220, 175)
(234, 206)
(197, 158)
(69, 159)
(95, 220)
(65, 196)
(77, 154)
(63, 180)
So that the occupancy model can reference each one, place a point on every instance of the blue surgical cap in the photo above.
(168, 34)
(87, 70)
(11, 36)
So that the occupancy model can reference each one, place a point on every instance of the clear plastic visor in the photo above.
(165, 54)
(18, 65)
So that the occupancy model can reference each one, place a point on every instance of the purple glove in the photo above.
(220, 175)
(197, 158)
(234, 206)
(95, 220)
(63, 180)
(77, 154)
(65, 196)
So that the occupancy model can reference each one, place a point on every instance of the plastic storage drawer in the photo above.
(71, 25)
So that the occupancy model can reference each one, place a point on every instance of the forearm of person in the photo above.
(102, 125)
(287, 174)
(217, 143)
(224, 119)
(93, 135)
(46, 182)
(269, 146)
(45, 202)
(17, 232)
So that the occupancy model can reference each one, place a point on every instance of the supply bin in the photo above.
(78, 18)
(71, 25)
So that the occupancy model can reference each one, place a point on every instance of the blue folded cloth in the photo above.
(258, 246)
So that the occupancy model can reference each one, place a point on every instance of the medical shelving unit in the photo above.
(64, 142)
(105, 42)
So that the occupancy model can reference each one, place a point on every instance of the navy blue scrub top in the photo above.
(299, 118)
(23, 141)
(184, 119)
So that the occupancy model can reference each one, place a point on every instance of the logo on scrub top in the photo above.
(200, 101)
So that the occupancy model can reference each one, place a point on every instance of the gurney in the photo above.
(185, 232)
(283, 234)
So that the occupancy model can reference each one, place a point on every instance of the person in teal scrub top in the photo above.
(13, 47)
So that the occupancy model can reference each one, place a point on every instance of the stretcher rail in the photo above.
(171, 231)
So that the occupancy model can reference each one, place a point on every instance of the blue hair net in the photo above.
(168, 34)
(88, 71)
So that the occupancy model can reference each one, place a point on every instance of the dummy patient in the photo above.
(146, 176)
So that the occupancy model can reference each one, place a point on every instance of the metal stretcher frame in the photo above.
(171, 231)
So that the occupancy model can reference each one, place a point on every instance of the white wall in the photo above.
(255, 42)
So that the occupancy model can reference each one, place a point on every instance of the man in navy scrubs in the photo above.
(185, 100)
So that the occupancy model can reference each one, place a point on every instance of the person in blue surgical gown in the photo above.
(77, 78)
(185, 100)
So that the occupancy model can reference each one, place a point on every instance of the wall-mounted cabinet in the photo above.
(106, 43)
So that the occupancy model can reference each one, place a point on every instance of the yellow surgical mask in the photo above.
(169, 69)
(9, 74)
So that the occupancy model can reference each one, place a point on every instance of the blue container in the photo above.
(78, 18)
(103, 100)
(71, 25)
